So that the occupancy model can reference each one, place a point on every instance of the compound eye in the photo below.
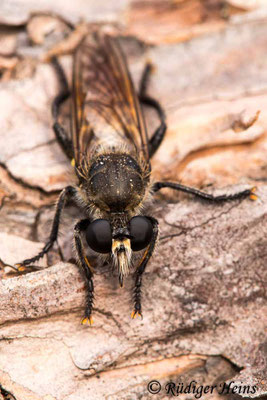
(141, 231)
(98, 236)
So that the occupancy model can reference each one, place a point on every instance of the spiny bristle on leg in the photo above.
(121, 280)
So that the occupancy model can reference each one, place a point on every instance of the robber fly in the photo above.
(110, 151)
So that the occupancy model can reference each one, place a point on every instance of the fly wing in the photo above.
(106, 108)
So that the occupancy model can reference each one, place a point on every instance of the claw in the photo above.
(252, 195)
(20, 267)
(87, 321)
(136, 313)
(151, 66)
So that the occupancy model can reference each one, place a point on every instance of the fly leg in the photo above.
(61, 134)
(6, 395)
(87, 269)
(159, 133)
(141, 268)
(66, 194)
(206, 196)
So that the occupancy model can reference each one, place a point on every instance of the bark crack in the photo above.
(186, 231)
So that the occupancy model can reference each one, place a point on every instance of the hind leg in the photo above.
(159, 133)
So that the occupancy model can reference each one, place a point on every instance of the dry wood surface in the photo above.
(204, 294)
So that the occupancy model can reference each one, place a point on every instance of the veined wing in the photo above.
(105, 103)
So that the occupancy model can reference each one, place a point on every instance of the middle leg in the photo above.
(206, 196)
(68, 193)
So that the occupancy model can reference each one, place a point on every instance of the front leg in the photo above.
(206, 196)
(87, 269)
(66, 194)
(141, 268)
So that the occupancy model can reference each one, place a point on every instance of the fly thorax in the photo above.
(116, 180)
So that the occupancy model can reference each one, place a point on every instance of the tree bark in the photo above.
(204, 291)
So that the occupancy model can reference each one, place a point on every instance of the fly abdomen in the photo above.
(116, 180)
